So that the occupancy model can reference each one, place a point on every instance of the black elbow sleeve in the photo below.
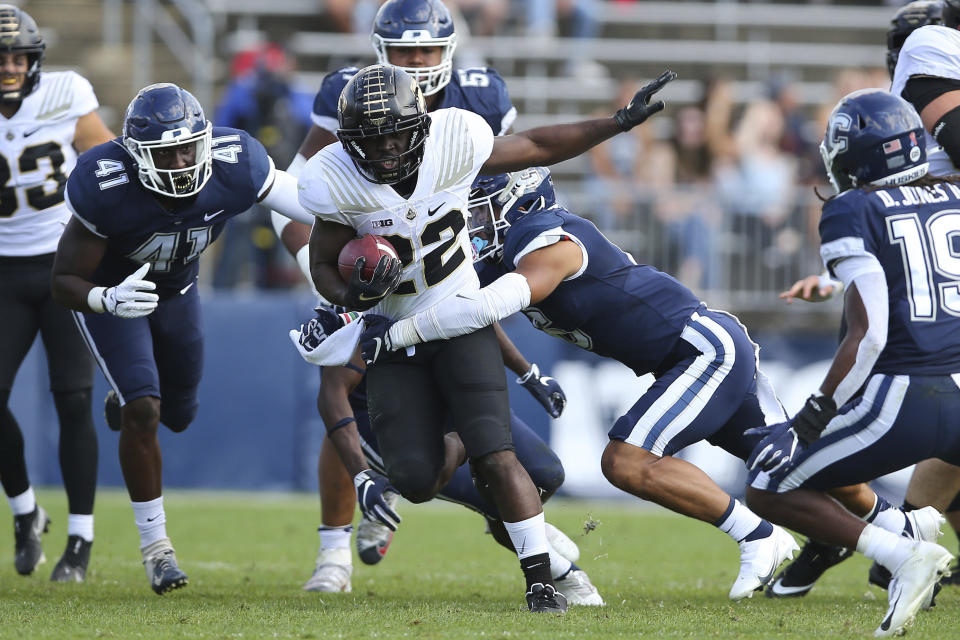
(947, 134)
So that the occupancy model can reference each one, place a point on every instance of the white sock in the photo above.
(558, 564)
(151, 521)
(892, 519)
(887, 548)
(80, 524)
(529, 536)
(740, 522)
(24, 503)
(335, 537)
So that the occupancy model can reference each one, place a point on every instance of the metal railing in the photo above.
(194, 51)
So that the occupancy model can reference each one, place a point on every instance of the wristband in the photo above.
(95, 299)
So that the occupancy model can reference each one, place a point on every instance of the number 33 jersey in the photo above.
(429, 229)
(36, 156)
(915, 235)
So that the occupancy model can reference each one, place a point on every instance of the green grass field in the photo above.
(247, 556)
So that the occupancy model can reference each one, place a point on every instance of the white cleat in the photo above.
(925, 524)
(912, 585)
(374, 538)
(332, 573)
(562, 544)
(578, 589)
(759, 560)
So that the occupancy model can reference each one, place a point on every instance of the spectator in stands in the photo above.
(756, 187)
(485, 17)
(263, 100)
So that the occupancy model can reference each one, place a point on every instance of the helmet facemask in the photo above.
(176, 183)
(431, 79)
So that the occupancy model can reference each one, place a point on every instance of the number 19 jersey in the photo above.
(428, 229)
(36, 156)
(915, 235)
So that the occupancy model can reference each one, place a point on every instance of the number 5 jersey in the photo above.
(36, 156)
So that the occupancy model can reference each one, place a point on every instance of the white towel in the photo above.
(336, 350)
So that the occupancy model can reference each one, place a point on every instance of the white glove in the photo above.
(129, 299)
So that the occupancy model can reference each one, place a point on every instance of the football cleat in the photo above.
(160, 563)
(562, 543)
(72, 566)
(332, 572)
(799, 576)
(576, 587)
(374, 538)
(912, 585)
(759, 560)
(27, 529)
(111, 410)
(545, 599)
(922, 524)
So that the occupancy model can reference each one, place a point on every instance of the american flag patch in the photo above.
(892, 147)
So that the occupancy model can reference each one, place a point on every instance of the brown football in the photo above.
(368, 246)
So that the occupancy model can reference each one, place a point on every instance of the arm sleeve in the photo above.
(280, 221)
(866, 273)
(463, 313)
(283, 198)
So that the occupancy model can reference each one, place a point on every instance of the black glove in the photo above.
(639, 109)
(362, 295)
(811, 420)
(545, 389)
(370, 487)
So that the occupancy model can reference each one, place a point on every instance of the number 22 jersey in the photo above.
(428, 229)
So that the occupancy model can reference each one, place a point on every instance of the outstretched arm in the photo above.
(537, 275)
(544, 146)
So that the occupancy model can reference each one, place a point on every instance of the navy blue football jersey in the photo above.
(915, 235)
(106, 195)
(614, 307)
(479, 89)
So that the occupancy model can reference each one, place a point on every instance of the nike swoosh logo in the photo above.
(368, 298)
(27, 134)
(153, 518)
(885, 625)
(207, 217)
(430, 212)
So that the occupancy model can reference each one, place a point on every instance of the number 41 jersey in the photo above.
(428, 230)
(36, 155)
(915, 235)
(105, 194)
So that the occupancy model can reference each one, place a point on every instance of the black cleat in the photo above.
(160, 562)
(954, 578)
(72, 566)
(879, 575)
(27, 530)
(799, 576)
(545, 599)
(111, 410)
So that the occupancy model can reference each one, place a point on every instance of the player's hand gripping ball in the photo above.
(371, 248)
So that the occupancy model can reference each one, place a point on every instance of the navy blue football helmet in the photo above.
(382, 100)
(907, 19)
(164, 116)
(497, 201)
(417, 23)
(951, 13)
(19, 34)
(873, 138)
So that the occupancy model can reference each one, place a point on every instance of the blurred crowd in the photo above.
(720, 192)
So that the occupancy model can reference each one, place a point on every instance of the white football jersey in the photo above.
(36, 156)
(428, 230)
(931, 50)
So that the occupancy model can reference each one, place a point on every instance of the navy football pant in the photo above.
(898, 421)
(160, 355)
